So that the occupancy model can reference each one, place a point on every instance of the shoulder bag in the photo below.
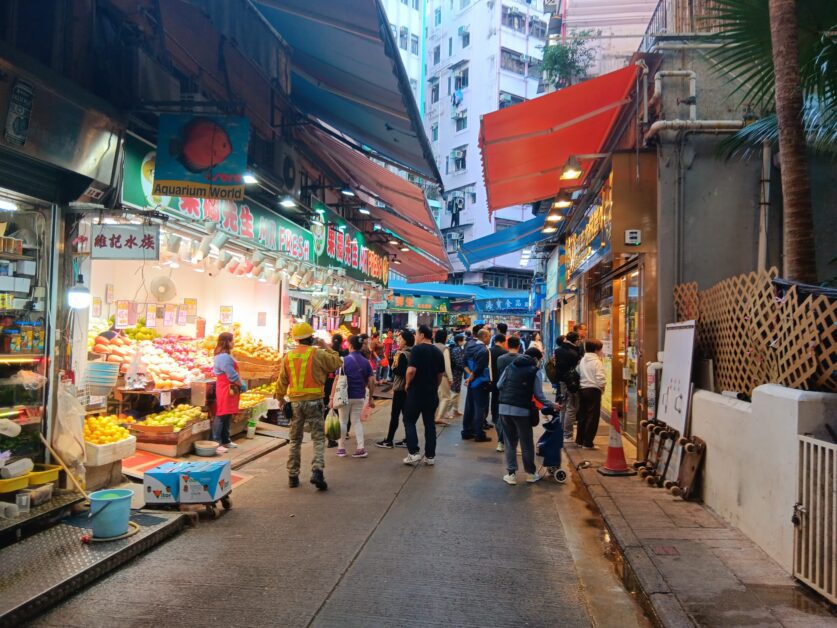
(340, 397)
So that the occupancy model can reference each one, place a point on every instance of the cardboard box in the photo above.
(26, 268)
(205, 482)
(7, 284)
(161, 485)
(187, 482)
(22, 284)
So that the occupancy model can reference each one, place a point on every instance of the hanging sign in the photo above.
(417, 303)
(123, 312)
(226, 314)
(138, 242)
(109, 293)
(519, 304)
(247, 221)
(191, 306)
(169, 315)
(96, 307)
(182, 314)
(347, 248)
(201, 156)
(151, 316)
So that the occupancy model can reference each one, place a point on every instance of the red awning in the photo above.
(525, 147)
(407, 215)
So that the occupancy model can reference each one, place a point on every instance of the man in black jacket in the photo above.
(497, 350)
(567, 357)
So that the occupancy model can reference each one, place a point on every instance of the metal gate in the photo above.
(815, 516)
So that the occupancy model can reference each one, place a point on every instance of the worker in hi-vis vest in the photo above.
(302, 375)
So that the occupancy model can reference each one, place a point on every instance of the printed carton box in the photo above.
(161, 485)
(205, 482)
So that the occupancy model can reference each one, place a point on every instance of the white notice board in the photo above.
(673, 404)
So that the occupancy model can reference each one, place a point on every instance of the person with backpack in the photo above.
(567, 356)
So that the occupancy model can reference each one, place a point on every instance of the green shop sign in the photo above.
(337, 243)
(248, 221)
(420, 304)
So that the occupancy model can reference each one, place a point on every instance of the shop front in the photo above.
(409, 311)
(613, 270)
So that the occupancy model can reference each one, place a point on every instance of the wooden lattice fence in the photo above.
(754, 336)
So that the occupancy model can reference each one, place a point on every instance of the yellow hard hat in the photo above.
(302, 330)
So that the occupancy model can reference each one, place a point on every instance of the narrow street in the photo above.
(387, 545)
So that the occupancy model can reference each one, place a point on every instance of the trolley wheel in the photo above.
(668, 484)
(213, 511)
(690, 448)
(683, 441)
(644, 473)
(226, 501)
(560, 476)
(643, 423)
(652, 480)
(677, 491)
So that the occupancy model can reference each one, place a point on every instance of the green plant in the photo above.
(567, 63)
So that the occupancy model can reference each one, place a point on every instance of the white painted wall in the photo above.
(409, 14)
(751, 466)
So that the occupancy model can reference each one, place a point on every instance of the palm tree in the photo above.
(785, 55)
(798, 233)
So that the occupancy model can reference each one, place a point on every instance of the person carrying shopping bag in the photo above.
(360, 379)
(228, 389)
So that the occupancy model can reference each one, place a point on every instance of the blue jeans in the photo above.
(382, 373)
(476, 405)
(221, 429)
(427, 409)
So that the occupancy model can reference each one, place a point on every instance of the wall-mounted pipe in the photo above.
(690, 74)
(709, 126)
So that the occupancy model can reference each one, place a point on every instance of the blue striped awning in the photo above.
(503, 242)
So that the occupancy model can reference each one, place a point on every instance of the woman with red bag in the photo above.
(228, 389)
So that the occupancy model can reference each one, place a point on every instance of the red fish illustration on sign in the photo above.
(203, 144)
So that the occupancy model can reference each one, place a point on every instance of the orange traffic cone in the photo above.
(615, 464)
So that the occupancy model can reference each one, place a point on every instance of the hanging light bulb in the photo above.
(78, 297)
(571, 170)
(562, 201)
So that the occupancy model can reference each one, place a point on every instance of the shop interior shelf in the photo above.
(15, 257)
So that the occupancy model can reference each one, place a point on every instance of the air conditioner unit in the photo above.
(458, 154)
(457, 237)
(286, 168)
(459, 203)
(505, 98)
(525, 58)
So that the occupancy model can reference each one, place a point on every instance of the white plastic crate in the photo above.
(98, 455)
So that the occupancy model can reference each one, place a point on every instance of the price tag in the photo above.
(200, 426)
(109, 293)
(169, 315)
(123, 311)
(261, 319)
(97, 401)
(96, 307)
(182, 313)
(151, 316)
(191, 307)
(226, 314)
(165, 398)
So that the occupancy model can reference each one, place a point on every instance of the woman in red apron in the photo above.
(228, 389)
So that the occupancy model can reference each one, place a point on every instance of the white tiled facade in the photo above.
(406, 20)
(480, 55)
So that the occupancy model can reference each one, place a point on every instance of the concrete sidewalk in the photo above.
(687, 565)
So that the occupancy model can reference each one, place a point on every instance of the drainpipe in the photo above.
(644, 69)
(692, 76)
(718, 126)
(764, 205)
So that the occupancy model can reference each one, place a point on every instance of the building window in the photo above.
(534, 68)
(453, 240)
(507, 100)
(460, 79)
(414, 44)
(405, 1)
(414, 87)
(461, 120)
(518, 282)
(434, 132)
(416, 4)
(466, 39)
(434, 92)
(394, 29)
(464, 3)
(403, 37)
(514, 19)
(459, 157)
(450, 46)
(512, 61)
(448, 85)
(437, 55)
(537, 28)
(437, 16)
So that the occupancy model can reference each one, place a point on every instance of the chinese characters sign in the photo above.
(418, 303)
(125, 242)
(202, 156)
(348, 249)
(246, 221)
(519, 304)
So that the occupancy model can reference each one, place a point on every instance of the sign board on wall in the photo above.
(247, 221)
(503, 305)
(139, 242)
(673, 404)
(417, 303)
(552, 274)
(347, 248)
(201, 156)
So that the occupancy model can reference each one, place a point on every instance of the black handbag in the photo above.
(572, 380)
(534, 416)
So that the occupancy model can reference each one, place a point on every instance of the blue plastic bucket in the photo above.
(110, 511)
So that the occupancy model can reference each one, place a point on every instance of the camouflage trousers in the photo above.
(307, 414)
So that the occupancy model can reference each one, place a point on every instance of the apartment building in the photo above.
(406, 20)
(481, 56)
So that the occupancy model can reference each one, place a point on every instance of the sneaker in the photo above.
(510, 479)
(430, 461)
(221, 449)
(531, 478)
(360, 453)
(341, 453)
(412, 459)
(400, 443)
(501, 447)
(231, 445)
(293, 481)
(384, 444)
(318, 480)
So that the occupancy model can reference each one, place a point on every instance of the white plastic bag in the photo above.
(68, 432)
(341, 391)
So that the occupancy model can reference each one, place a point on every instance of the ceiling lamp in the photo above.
(220, 239)
(173, 244)
(395, 260)
(562, 201)
(287, 201)
(394, 242)
(225, 259)
(554, 217)
(257, 259)
(571, 170)
(250, 179)
(347, 191)
(404, 248)
(363, 210)
(550, 229)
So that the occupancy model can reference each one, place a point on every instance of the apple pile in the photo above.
(185, 352)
